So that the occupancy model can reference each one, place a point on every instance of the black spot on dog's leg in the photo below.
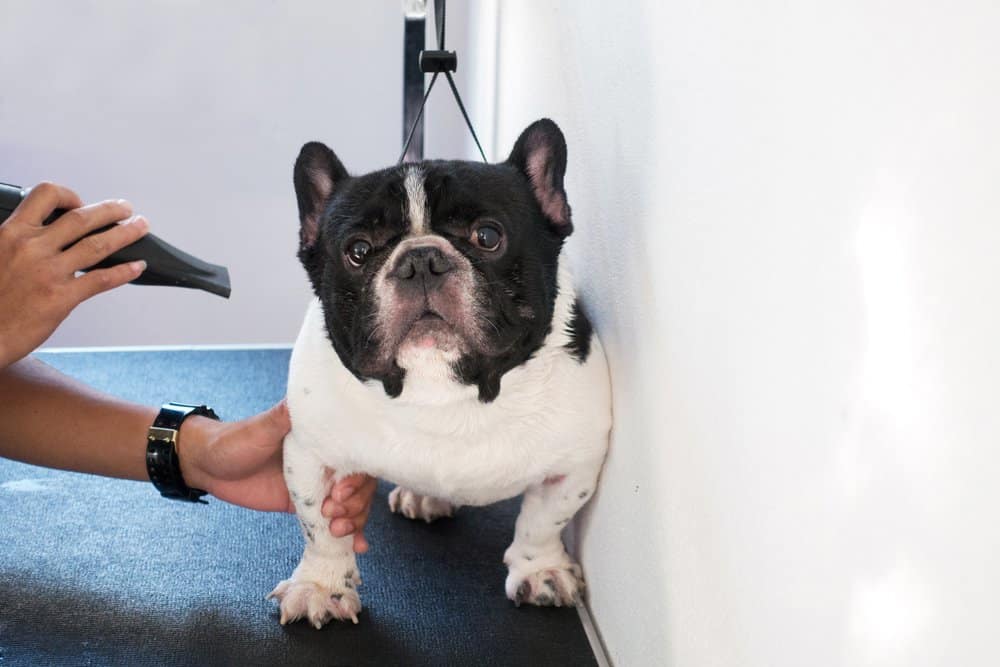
(583, 494)
(580, 332)
(307, 528)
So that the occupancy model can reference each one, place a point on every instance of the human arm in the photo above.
(49, 419)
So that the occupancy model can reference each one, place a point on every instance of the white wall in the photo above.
(787, 231)
(195, 112)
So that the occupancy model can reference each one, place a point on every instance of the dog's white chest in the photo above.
(454, 447)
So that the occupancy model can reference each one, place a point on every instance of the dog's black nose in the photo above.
(424, 263)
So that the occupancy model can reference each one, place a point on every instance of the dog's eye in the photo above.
(358, 252)
(487, 236)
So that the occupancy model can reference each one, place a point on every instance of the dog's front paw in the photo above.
(415, 506)
(559, 586)
(318, 604)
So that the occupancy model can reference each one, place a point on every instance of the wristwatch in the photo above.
(162, 462)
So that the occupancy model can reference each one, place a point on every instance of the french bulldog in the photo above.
(447, 352)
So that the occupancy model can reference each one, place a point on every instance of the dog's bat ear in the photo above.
(540, 154)
(318, 173)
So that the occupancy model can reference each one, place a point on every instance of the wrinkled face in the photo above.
(448, 265)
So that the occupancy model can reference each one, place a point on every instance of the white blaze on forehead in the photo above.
(416, 201)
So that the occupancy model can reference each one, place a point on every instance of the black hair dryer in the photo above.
(165, 264)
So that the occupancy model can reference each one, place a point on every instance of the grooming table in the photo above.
(97, 571)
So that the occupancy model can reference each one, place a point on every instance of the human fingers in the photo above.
(352, 515)
(359, 483)
(73, 225)
(339, 492)
(344, 527)
(328, 507)
(348, 495)
(90, 250)
(39, 204)
(355, 525)
(353, 506)
(103, 280)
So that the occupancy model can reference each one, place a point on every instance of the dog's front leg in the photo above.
(323, 586)
(539, 569)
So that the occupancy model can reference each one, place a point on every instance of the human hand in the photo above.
(347, 507)
(241, 463)
(38, 264)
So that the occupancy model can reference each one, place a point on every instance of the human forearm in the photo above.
(51, 420)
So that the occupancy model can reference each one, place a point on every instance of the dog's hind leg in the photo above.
(412, 505)
(539, 569)
(324, 584)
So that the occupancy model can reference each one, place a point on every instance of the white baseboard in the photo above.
(166, 348)
(593, 636)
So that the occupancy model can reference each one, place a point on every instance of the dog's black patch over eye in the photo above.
(487, 236)
(358, 251)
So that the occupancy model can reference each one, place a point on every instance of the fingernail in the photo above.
(138, 266)
(141, 222)
(345, 492)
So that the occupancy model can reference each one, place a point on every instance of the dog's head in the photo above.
(446, 263)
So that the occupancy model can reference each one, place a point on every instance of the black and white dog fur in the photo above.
(445, 351)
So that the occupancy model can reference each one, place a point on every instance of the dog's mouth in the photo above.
(430, 316)
(430, 330)
(429, 321)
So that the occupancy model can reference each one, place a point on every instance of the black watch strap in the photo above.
(162, 462)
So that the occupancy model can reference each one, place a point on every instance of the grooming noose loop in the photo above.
(429, 62)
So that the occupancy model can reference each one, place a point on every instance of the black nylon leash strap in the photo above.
(429, 62)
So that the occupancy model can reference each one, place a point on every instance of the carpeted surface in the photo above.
(96, 571)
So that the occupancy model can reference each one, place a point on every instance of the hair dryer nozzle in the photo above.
(170, 266)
